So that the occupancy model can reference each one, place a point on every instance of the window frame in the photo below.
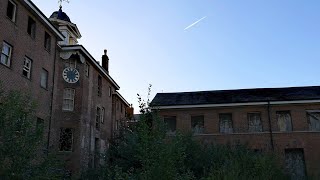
(26, 68)
(47, 41)
(230, 130)
(99, 86)
(68, 62)
(14, 12)
(71, 140)
(103, 110)
(169, 131)
(86, 69)
(98, 118)
(8, 56)
(68, 99)
(199, 130)
(248, 118)
(282, 112)
(31, 27)
(46, 80)
(110, 91)
(309, 114)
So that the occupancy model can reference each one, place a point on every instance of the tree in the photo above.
(148, 152)
(21, 142)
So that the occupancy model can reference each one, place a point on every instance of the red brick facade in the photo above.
(300, 137)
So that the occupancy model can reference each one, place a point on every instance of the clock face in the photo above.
(70, 75)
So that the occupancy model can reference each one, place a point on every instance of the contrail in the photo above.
(195, 23)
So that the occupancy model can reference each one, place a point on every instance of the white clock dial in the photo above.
(70, 75)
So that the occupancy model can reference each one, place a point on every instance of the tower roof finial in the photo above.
(60, 2)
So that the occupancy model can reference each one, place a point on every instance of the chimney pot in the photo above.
(105, 61)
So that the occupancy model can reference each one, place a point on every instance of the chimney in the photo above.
(105, 61)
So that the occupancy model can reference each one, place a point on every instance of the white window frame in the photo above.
(27, 66)
(13, 19)
(68, 99)
(46, 79)
(6, 56)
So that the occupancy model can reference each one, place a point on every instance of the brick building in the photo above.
(77, 98)
(283, 120)
(28, 43)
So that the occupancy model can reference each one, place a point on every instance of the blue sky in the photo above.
(240, 44)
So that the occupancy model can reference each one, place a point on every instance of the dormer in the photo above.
(70, 30)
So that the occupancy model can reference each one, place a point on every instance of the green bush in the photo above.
(21, 142)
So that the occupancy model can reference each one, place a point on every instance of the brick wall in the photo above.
(300, 137)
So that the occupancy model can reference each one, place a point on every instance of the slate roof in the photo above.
(237, 96)
(60, 15)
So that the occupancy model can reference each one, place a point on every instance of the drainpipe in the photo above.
(52, 92)
(270, 128)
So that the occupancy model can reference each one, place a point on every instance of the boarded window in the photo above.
(295, 164)
(225, 122)
(254, 121)
(284, 120)
(66, 139)
(314, 120)
(170, 121)
(197, 124)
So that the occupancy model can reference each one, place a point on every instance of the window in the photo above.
(254, 121)
(225, 123)
(110, 92)
(197, 124)
(47, 41)
(31, 27)
(98, 118)
(44, 79)
(86, 70)
(26, 70)
(11, 10)
(66, 139)
(6, 54)
(314, 120)
(102, 115)
(170, 121)
(284, 120)
(68, 99)
(99, 85)
(70, 63)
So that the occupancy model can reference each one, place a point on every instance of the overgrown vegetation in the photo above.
(145, 151)
(21, 141)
